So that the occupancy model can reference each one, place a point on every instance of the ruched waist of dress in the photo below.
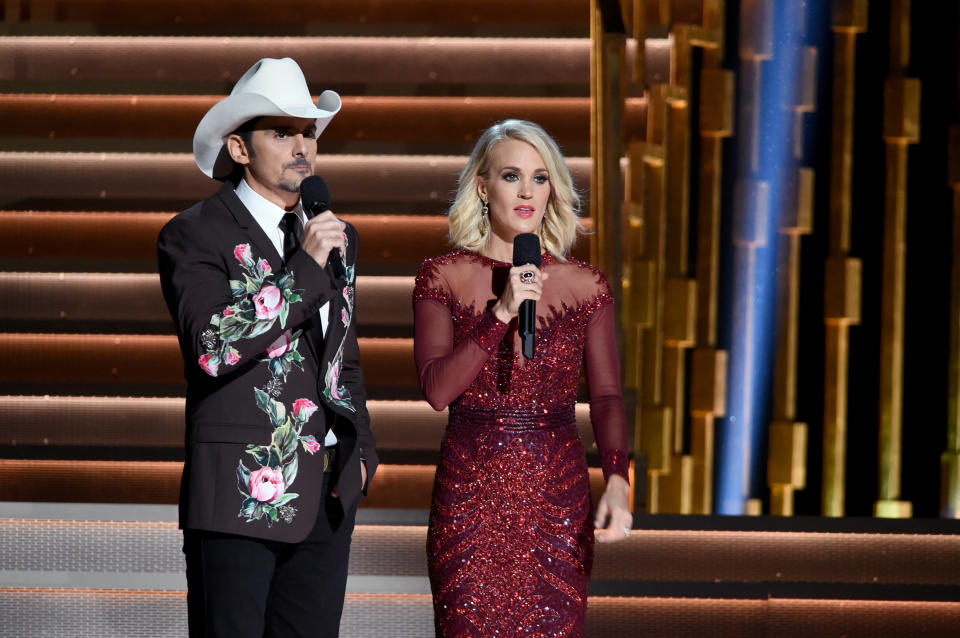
(513, 420)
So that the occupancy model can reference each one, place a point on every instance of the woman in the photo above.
(510, 542)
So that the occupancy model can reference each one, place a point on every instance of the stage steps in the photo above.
(116, 570)
(94, 159)
(294, 14)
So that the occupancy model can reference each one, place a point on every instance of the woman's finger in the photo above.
(602, 513)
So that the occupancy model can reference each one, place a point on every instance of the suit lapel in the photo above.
(264, 246)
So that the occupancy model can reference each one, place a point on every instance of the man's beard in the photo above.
(293, 185)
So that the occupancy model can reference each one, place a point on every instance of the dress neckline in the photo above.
(490, 261)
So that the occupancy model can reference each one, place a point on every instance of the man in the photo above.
(278, 440)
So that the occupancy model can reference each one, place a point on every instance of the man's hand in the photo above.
(363, 479)
(322, 234)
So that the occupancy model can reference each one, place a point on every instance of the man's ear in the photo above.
(238, 150)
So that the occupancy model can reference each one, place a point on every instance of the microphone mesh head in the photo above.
(314, 194)
(526, 250)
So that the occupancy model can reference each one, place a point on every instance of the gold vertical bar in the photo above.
(891, 326)
(678, 188)
(708, 238)
(639, 27)
(679, 293)
(836, 365)
(708, 367)
(901, 127)
(655, 431)
(787, 321)
(674, 371)
(849, 17)
(701, 449)
(607, 63)
(676, 488)
(841, 141)
(655, 216)
(708, 394)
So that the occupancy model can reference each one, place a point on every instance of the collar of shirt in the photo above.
(267, 214)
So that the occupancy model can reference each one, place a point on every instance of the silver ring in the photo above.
(626, 531)
(527, 276)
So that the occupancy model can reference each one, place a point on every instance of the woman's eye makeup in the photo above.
(539, 178)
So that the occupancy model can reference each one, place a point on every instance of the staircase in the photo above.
(98, 104)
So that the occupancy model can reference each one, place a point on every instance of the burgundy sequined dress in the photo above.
(510, 543)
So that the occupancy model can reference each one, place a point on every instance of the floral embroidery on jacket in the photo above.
(265, 488)
(332, 389)
(259, 301)
(281, 357)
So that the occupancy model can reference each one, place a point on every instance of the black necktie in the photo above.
(292, 234)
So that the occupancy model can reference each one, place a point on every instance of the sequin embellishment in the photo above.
(510, 542)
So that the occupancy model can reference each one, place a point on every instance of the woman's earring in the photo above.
(483, 218)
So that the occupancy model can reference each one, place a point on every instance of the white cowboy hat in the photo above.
(269, 87)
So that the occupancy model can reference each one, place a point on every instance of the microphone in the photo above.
(316, 199)
(526, 250)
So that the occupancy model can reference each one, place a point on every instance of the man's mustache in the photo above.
(299, 162)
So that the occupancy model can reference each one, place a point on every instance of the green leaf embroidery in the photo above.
(243, 478)
(263, 399)
(249, 507)
(275, 460)
(283, 500)
(261, 453)
(291, 468)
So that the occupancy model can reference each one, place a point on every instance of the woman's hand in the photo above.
(520, 286)
(614, 519)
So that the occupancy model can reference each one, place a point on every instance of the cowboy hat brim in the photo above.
(227, 115)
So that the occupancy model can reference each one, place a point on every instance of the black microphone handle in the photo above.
(527, 327)
(336, 263)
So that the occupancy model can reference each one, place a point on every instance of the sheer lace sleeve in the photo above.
(446, 371)
(607, 412)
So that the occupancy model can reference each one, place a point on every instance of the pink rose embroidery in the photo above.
(209, 362)
(281, 346)
(231, 357)
(242, 253)
(347, 294)
(335, 381)
(268, 302)
(266, 484)
(344, 316)
(263, 266)
(227, 312)
(311, 444)
(303, 409)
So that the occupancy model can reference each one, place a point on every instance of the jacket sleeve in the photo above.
(228, 303)
(352, 377)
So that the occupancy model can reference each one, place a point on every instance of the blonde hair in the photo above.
(560, 224)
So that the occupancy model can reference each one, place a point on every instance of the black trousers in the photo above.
(245, 587)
